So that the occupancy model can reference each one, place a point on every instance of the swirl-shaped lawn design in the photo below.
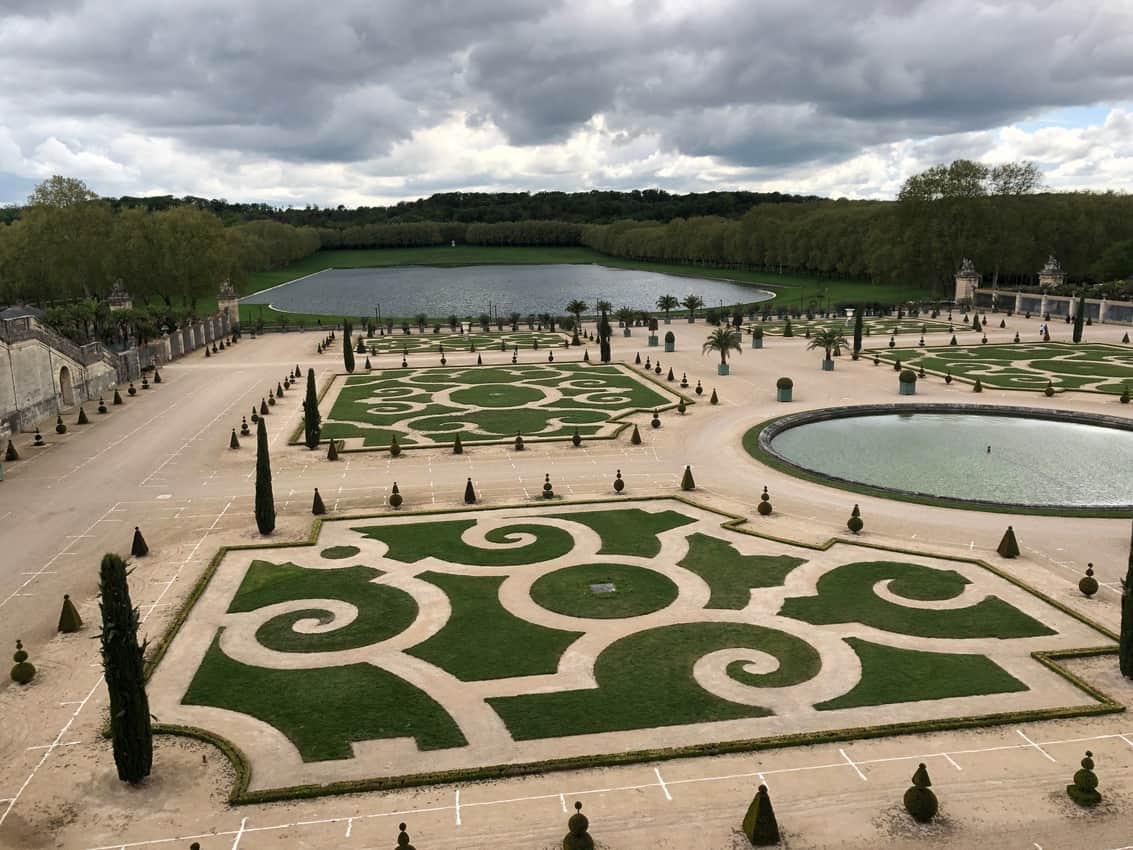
(431, 406)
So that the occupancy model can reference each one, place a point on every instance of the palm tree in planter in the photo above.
(827, 339)
(724, 340)
(576, 308)
(692, 303)
(668, 303)
(625, 319)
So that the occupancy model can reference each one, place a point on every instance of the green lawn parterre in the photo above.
(576, 564)
(1089, 367)
(399, 344)
(486, 404)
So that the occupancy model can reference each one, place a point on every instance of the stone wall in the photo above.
(1097, 309)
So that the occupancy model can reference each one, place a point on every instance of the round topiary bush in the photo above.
(670, 336)
(784, 384)
(1084, 791)
(619, 485)
(764, 503)
(23, 671)
(394, 447)
(854, 523)
(920, 801)
(656, 420)
(1088, 584)
(395, 499)
(907, 376)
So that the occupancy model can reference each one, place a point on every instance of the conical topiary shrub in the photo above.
(117, 397)
(977, 387)
(332, 450)
(714, 399)
(854, 523)
(686, 480)
(69, 619)
(1124, 397)
(403, 839)
(23, 671)
(317, 506)
(670, 376)
(576, 438)
(682, 407)
(469, 493)
(11, 454)
(578, 834)
(156, 376)
(1084, 791)
(457, 446)
(1087, 583)
(619, 485)
(278, 390)
(764, 503)
(1008, 547)
(138, 547)
(82, 420)
(394, 446)
(548, 490)
(920, 801)
(264, 407)
(759, 825)
(395, 499)
(233, 443)
(635, 437)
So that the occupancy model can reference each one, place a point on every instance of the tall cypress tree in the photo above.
(604, 332)
(312, 420)
(124, 671)
(265, 502)
(347, 350)
(1125, 647)
(857, 329)
(1080, 317)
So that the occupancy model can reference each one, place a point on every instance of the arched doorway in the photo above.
(65, 388)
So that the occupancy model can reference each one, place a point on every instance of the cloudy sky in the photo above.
(373, 101)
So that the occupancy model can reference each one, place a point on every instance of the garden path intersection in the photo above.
(171, 473)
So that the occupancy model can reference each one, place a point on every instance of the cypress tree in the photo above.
(1008, 547)
(138, 547)
(857, 330)
(317, 506)
(312, 420)
(1079, 318)
(759, 824)
(124, 672)
(347, 349)
(1125, 647)
(457, 446)
(69, 619)
(265, 502)
(604, 337)
(469, 493)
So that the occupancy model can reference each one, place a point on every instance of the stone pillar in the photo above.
(199, 335)
(1018, 303)
(176, 349)
(1043, 310)
(228, 304)
(210, 330)
(967, 281)
(1101, 311)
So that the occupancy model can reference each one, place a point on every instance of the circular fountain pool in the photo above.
(976, 456)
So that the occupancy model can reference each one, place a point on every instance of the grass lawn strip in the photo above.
(646, 680)
(483, 640)
(846, 595)
(631, 531)
(732, 576)
(443, 540)
(892, 675)
(322, 710)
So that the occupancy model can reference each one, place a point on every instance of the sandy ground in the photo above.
(162, 462)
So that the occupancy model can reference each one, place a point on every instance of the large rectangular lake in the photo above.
(465, 291)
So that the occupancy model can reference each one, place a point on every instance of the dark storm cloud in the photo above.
(756, 84)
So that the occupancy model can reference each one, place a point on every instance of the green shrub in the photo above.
(576, 438)
(1084, 791)
(671, 337)
(138, 547)
(1049, 391)
(548, 490)
(394, 446)
(457, 446)
(469, 493)
(635, 437)
(656, 420)
(1088, 584)
(907, 376)
(1124, 398)
(953, 340)
(518, 442)
(619, 485)
(402, 839)
(578, 835)
(82, 420)
(1008, 547)
(714, 399)
(686, 480)
(11, 454)
(69, 619)
(395, 499)
(332, 449)
(682, 407)
(233, 443)
(977, 387)
(784, 384)
(920, 801)
(764, 503)
(854, 523)
(760, 825)
(23, 671)
(60, 428)
(317, 506)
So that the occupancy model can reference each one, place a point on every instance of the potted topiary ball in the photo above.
(783, 389)
(907, 382)
(670, 342)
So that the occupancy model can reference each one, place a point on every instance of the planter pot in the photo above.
(626, 332)
(783, 393)
(757, 342)
(722, 369)
(827, 365)
(907, 389)
(653, 340)
(670, 347)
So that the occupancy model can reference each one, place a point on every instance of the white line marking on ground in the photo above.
(952, 761)
(562, 800)
(240, 834)
(349, 826)
(1036, 746)
(664, 787)
(850, 762)
(456, 807)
